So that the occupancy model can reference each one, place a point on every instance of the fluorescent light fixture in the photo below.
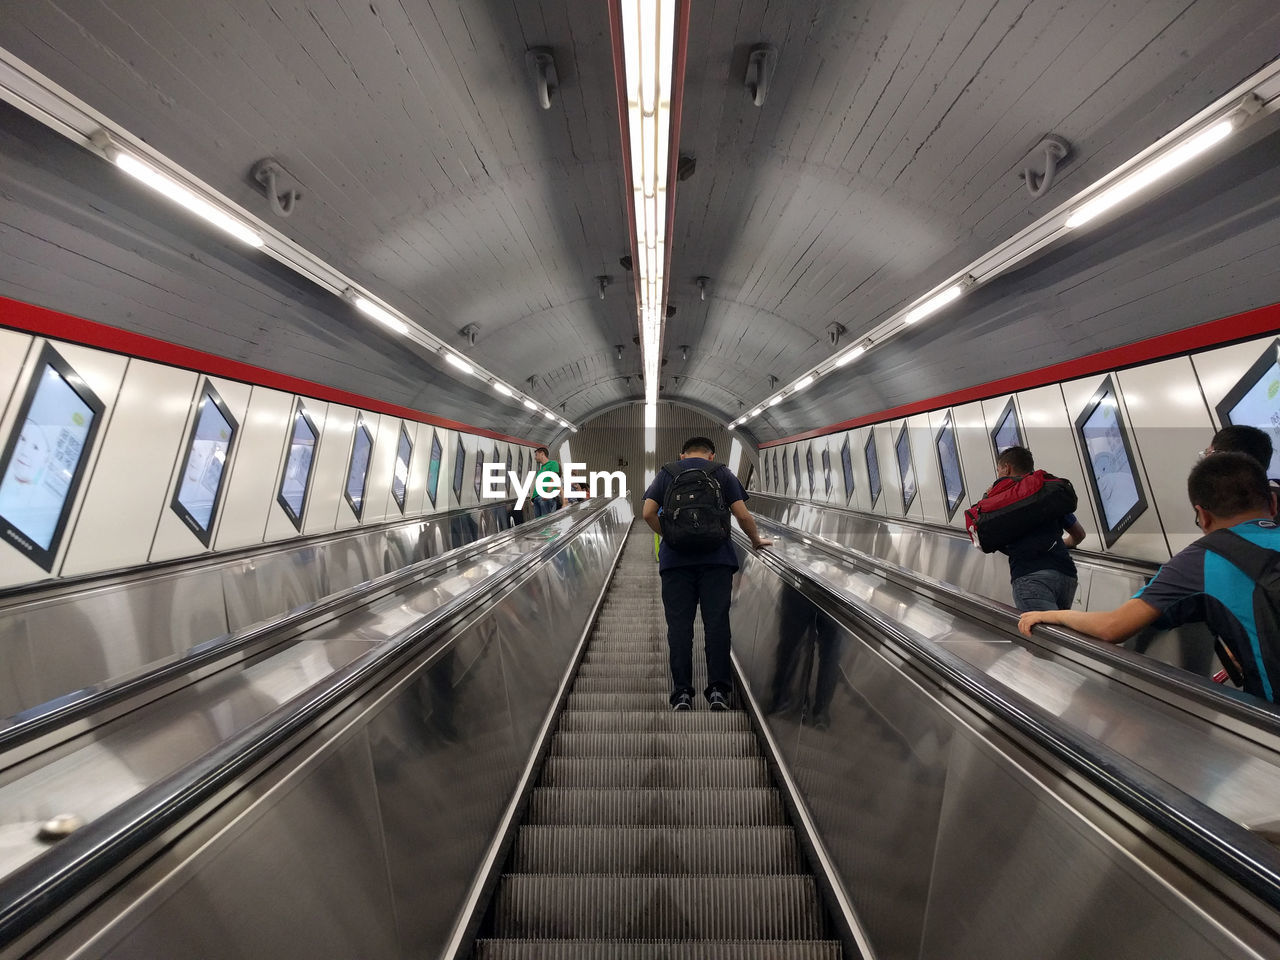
(502, 388)
(850, 355)
(530, 404)
(775, 401)
(548, 414)
(381, 314)
(163, 183)
(648, 37)
(1149, 173)
(934, 304)
(756, 412)
(802, 383)
(456, 361)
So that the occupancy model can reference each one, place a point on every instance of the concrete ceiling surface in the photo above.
(885, 158)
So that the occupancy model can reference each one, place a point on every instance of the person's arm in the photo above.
(748, 523)
(650, 516)
(1075, 534)
(1109, 626)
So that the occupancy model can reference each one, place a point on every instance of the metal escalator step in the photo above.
(640, 807)
(635, 721)
(678, 908)
(670, 774)
(624, 658)
(667, 744)
(657, 850)
(657, 950)
(617, 701)
(654, 684)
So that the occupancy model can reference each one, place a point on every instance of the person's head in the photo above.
(31, 453)
(1014, 462)
(1239, 438)
(699, 447)
(542, 455)
(1229, 488)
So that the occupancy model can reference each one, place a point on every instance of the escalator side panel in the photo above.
(367, 843)
(943, 833)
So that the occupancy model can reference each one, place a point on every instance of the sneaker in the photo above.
(682, 701)
(718, 700)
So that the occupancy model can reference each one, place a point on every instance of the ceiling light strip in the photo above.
(1230, 113)
(39, 97)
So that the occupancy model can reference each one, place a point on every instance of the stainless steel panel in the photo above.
(303, 877)
(261, 588)
(1018, 874)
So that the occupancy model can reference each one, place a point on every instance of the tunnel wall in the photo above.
(1169, 409)
(122, 510)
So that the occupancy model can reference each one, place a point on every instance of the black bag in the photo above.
(694, 516)
(1262, 566)
(1016, 505)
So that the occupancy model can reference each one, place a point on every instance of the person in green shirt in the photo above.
(543, 506)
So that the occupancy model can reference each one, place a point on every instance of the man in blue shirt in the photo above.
(1042, 573)
(1229, 491)
(706, 579)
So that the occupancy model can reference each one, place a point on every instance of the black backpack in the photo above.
(695, 518)
(1262, 566)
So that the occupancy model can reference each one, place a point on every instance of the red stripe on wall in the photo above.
(63, 326)
(1215, 333)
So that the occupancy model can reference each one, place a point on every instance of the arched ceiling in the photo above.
(884, 159)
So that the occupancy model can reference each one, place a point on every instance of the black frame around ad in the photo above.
(408, 465)
(351, 462)
(846, 467)
(296, 519)
(1269, 357)
(948, 424)
(1110, 534)
(1010, 410)
(205, 536)
(875, 481)
(51, 359)
(897, 461)
(459, 469)
(436, 457)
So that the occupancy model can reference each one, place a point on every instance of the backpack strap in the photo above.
(1252, 559)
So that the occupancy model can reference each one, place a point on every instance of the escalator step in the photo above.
(656, 950)
(642, 908)
(671, 774)
(640, 807)
(638, 721)
(649, 850)
(675, 744)
(617, 701)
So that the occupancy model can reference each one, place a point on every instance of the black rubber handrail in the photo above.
(1241, 707)
(32, 724)
(32, 892)
(1231, 849)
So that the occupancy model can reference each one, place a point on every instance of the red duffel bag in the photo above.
(1016, 505)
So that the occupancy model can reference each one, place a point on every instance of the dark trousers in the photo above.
(683, 590)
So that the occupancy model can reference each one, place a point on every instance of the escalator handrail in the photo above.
(31, 893)
(1231, 849)
(1240, 707)
(33, 724)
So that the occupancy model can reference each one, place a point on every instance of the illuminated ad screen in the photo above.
(1112, 470)
(873, 467)
(795, 467)
(297, 467)
(764, 469)
(520, 462)
(459, 468)
(826, 470)
(1255, 401)
(1006, 434)
(204, 465)
(846, 464)
(400, 479)
(786, 474)
(808, 463)
(905, 470)
(949, 466)
(776, 475)
(358, 469)
(44, 458)
(510, 463)
(479, 474)
(433, 468)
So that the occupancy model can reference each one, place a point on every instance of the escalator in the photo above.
(652, 833)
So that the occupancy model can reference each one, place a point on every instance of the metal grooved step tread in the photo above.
(652, 834)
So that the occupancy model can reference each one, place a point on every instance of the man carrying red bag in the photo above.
(1023, 515)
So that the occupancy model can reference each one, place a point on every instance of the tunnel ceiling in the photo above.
(885, 158)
